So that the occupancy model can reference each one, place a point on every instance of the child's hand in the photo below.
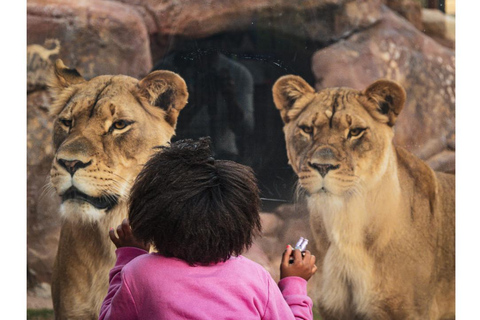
(126, 238)
(301, 267)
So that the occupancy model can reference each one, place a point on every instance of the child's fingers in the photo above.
(297, 257)
(126, 227)
(307, 257)
(312, 264)
(120, 232)
(115, 240)
(286, 255)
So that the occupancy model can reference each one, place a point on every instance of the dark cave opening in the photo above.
(267, 54)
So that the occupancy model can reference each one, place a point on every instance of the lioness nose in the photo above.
(73, 165)
(325, 153)
(323, 168)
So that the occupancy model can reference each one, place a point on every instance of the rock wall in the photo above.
(358, 41)
(97, 37)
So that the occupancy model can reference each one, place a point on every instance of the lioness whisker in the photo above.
(47, 190)
(121, 178)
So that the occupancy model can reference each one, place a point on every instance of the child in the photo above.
(200, 214)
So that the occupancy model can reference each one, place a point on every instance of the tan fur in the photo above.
(88, 130)
(383, 221)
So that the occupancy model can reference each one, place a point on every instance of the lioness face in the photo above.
(338, 140)
(104, 132)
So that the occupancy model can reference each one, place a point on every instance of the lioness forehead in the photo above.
(111, 86)
(100, 95)
(328, 104)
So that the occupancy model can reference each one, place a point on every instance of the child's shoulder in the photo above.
(249, 266)
(248, 274)
(146, 261)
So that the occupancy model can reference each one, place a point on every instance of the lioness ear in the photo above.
(166, 90)
(63, 77)
(388, 97)
(287, 90)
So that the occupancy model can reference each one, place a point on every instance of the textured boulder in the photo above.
(39, 128)
(409, 9)
(439, 26)
(39, 63)
(395, 50)
(110, 37)
(43, 226)
(321, 20)
(97, 37)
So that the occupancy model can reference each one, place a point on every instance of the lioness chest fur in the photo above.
(383, 221)
(105, 131)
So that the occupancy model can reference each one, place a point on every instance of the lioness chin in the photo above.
(383, 221)
(104, 132)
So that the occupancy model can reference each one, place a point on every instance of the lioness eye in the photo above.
(66, 123)
(121, 124)
(356, 132)
(307, 129)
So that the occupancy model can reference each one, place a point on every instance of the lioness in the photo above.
(383, 221)
(105, 130)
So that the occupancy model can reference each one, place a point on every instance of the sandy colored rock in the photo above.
(439, 26)
(40, 62)
(443, 161)
(434, 22)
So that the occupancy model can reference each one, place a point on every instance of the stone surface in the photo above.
(37, 299)
(439, 26)
(197, 19)
(39, 63)
(434, 22)
(43, 227)
(321, 21)
(96, 37)
(445, 160)
(39, 127)
(395, 50)
(409, 9)
(42, 202)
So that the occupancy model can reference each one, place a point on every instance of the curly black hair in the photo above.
(193, 207)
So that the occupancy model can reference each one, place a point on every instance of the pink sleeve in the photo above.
(119, 303)
(293, 291)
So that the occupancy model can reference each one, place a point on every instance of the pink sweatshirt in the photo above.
(150, 286)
